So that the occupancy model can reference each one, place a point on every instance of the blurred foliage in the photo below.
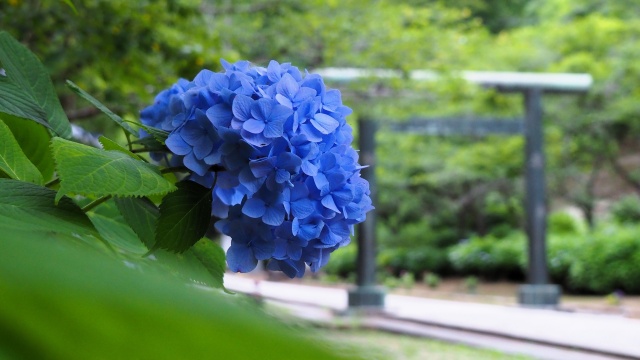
(600, 261)
(67, 301)
(627, 209)
(343, 262)
(609, 260)
(490, 257)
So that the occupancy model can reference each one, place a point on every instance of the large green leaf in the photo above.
(110, 114)
(184, 217)
(141, 215)
(14, 103)
(94, 172)
(34, 140)
(212, 257)
(27, 80)
(13, 161)
(64, 302)
(25, 206)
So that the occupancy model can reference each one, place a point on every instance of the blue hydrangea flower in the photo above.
(276, 142)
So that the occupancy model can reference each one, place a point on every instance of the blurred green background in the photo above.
(450, 206)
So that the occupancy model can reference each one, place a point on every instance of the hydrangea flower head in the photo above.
(275, 146)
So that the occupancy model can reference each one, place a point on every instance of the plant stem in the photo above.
(95, 203)
(128, 139)
(174, 169)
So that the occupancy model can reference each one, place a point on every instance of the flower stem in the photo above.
(95, 203)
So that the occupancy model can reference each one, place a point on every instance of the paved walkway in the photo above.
(611, 335)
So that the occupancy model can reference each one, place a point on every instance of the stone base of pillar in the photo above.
(366, 298)
(539, 295)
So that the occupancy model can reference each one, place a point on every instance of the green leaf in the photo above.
(158, 134)
(114, 229)
(212, 257)
(25, 206)
(109, 144)
(34, 140)
(151, 144)
(14, 103)
(141, 215)
(27, 79)
(184, 217)
(13, 161)
(94, 172)
(117, 119)
(70, 4)
(66, 302)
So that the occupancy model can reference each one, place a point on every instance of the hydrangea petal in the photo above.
(220, 115)
(241, 107)
(254, 126)
(274, 215)
(329, 203)
(178, 146)
(324, 123)
(302, 208)
(240, 258)
(254, 208)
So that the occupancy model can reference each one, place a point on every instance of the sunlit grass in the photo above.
(376, 345)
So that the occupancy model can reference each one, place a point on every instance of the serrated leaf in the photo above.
(185, 215)
(34, 140)
(31, 207)
(13, 161)
(110, 114)
(141, 215)
(109, 144)
(158, 134)
(95, 172)
(212, 258)
(28, 80)
(13, 103)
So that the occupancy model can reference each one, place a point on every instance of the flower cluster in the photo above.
(290, 189)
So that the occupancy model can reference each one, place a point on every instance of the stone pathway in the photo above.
(545, 334)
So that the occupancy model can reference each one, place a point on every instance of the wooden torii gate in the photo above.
(538, 291)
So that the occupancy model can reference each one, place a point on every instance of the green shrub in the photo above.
(392, 260)
(490, 257)
(627, 210)
(607, 261)
(343, 263)
(471, 284)
(561, 253)
(408, 280)
(416, 260)
(432, 280)
(560, 222)
(391, 282)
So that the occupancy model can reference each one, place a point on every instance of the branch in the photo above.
(624, 173)
(84, 113)
(480, 190)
